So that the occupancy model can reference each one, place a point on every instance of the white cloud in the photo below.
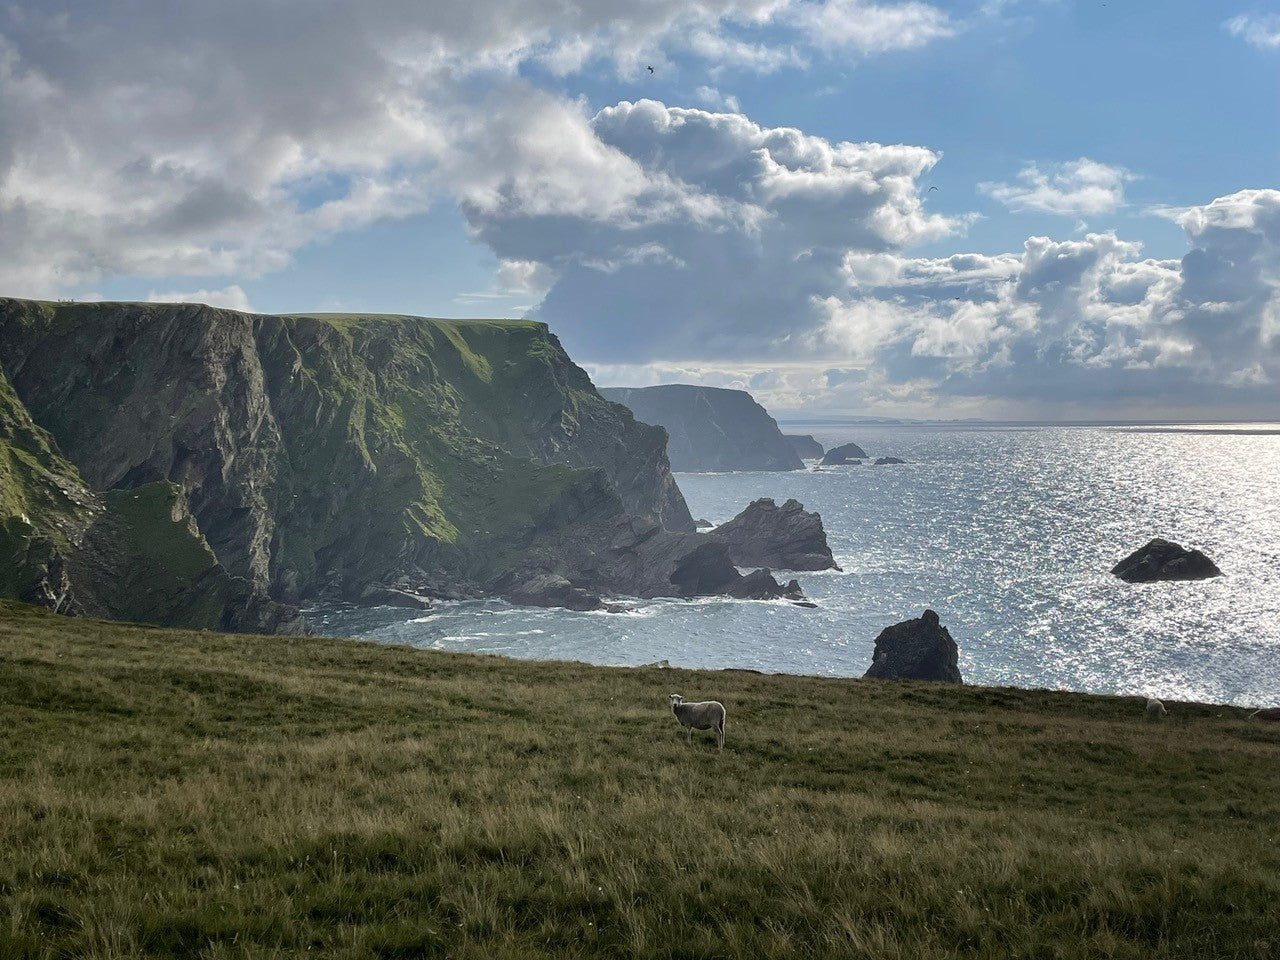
(232, 298)
(276, 126)
(714, 233)
(1075, 189)
(871, 27)
(1083, 327)
(1259, 30)
(715, 100)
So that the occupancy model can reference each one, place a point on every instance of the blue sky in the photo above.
(492, 159)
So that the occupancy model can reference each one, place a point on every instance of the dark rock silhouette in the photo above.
(1163, 560)
(780, 538)
(844, 454)
(709, 428)
(920, 649)
(708, 570)
(805, 446)
(881, 461)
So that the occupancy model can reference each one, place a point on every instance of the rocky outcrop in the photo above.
(550, 590)
(845, 453)
(586, 540)
(780, 538)
(708, 570)
(325, 456)
(121, 554)
(805, 446)
(920, 649)
(710, 429)
(881, 461)
(1164, 560)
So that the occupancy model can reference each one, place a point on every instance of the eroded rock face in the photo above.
(780, 538)
(846, 453)
(709, 428)
(322, 456)
(1163, 560)
(805, 446)
(920, 649)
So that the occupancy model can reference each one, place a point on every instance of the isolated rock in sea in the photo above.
(805, 446)
(844, 454)
(760, 585)
(710, 428)
(708, 570)
(703, 524)
(920, 649)
(550, 590)
(881, 461)
(1163, 560)
(781, 538)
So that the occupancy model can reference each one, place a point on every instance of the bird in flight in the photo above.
(931, 189)
(651, 69)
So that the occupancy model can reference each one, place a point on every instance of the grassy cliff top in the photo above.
(171, 794)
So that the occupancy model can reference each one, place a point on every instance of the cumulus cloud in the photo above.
(1074, 189)
(232, 297)
(180, 139)
(871, 27)
(1259, 30)
(1018, 334)
(717, 235)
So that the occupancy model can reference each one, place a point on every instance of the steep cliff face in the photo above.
(123, 554)
(323, 454)
(711, 429)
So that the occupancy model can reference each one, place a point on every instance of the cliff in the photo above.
(322, 456)
(711, 429)
(123, 554)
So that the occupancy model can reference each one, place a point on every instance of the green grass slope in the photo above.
(172, 794)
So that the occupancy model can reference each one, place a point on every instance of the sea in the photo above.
(1008, 531)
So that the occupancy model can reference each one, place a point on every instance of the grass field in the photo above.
(169, 794)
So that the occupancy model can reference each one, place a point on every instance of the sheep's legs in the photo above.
(720, 735)
(688, 734)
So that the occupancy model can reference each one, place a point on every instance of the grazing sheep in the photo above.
(707, 715)
(1270, 714)
(1155, 709)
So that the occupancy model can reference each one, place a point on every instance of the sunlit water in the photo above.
(1009, 533)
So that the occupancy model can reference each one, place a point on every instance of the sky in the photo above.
(1013, 209)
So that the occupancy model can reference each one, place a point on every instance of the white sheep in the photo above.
(1155, 709)
(707, 715)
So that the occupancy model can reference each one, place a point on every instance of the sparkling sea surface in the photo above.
(1009, 532)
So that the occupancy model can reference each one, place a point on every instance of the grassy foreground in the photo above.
(176, 794)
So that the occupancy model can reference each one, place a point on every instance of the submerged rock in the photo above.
(920, 649)
(805, 446)
(781, 538)
(844, 454)
(1163, 560)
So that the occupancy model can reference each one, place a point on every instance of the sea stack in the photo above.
(780, 538)
(1164, 560)
(845, 453)
(920, 649)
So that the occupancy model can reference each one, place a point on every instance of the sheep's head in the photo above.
(676, 699)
